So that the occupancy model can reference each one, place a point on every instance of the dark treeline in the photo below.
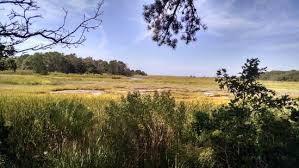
(58, 62)
(292, 75)
(8, 63)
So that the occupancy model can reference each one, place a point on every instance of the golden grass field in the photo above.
(113, 87)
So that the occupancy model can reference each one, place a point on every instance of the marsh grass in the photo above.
(81, 131)
(51, 131)
(182, 88)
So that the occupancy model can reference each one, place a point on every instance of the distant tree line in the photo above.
(43, 63)
(8, 63)
(292, 75)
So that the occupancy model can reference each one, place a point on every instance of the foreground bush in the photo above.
(256, 129)
(146, 131)
(54, 134)
(138, 131)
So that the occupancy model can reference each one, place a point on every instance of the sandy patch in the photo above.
(209, 94)
(92, 92)
(135, 79)
(149, 90)
(215, 94)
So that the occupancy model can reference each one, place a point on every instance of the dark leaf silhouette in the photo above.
(168, 19)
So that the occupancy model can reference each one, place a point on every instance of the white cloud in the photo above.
(53, 10)
(102, 47)
(142, 33)
(283, 46)
(258, 19)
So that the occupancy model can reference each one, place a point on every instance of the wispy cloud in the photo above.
(259, 18)
(142, 33)
(255, 23)
(102, 46)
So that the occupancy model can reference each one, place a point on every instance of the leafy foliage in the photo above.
(143, 130)
(8, 63)
(248, 91)
(47, 135)
(11, 63)
(57, 62)
(167, 18)
(255, 129)
(4, 151)
(6, 51)
(51, 132)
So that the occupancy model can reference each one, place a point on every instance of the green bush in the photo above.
(4, 132)
(146, 131)
(139, 131)
(40, 135)
(256, 129)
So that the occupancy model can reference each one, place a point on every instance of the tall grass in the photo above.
(38, 129)
(183, 88)
(44, 132)
(69, 131)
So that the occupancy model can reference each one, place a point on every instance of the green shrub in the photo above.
(140, 130)
(145, 131)
(254, 130)
(4, 132)
(41, 134)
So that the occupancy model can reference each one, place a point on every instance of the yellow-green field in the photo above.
(113, 87)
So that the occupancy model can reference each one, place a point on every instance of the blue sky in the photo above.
(237, 29)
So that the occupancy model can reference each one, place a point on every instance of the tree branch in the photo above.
(19, 27)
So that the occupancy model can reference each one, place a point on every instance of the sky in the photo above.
(237, 30)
